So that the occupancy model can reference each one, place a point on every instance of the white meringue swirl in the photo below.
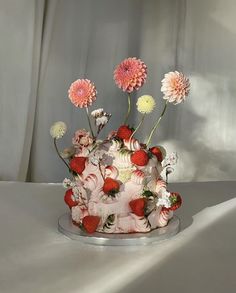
(138, 177)
(112, 172)
(115, 145)
(91, 181)
(132, 144)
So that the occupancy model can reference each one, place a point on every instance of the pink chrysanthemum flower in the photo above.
(130, 74)
(175, 87)
(82, 93)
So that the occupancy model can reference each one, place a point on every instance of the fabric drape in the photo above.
(48, 44)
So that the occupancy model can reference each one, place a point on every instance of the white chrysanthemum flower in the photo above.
(145, 104)
(97, 113)
(58, 129)
(164, 200)
(171, 159)
(102, 120)
(66, 183)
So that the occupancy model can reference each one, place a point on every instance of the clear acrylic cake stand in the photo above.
(66, 227)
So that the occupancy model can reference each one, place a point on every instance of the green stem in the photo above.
(140, 123)
(156, 125)
(89, 122)
(55, 144)
(128, 111)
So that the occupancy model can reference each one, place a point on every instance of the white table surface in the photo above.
(35, 257)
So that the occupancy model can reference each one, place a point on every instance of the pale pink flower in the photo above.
(175, 87)
(82, 138)
(130, 74)
(82, 93)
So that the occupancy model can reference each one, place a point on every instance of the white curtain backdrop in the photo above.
(45, 45)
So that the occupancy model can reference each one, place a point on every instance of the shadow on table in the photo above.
(204, 263)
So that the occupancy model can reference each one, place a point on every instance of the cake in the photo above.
(119, 184)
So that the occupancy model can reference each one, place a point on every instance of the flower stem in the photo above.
(137, 128)
(55, 145)
(156, 125)
(89, 122)
(128, 111)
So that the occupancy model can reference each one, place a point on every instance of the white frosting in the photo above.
(116, 164)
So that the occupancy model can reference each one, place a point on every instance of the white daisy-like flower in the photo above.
(164, 200)
(58, 129)
(66, 183)
(97, 113)
(171, 159)
(101, 120)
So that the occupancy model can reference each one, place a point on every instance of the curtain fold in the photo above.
(49, 44)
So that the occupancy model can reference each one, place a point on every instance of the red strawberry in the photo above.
(157, 152)
(140, 158)
(90, 223)
(176, 201)
(110, 186)
(124, 132)
(69, 199)
(137, 206)
(77, 164)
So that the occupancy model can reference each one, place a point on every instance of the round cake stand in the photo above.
(66, 227)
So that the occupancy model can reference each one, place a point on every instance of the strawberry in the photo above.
(110, 186)
(77, 164)
(137, 206)
(176, 201)
(69, 198)
(140, 158)
(157, 152)
(90, 223)
(124, 132)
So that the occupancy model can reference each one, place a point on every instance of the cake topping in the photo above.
(70, 199)
(140, 158)
(111, 171)
(124, 132)
(90, 223)
(138, 206)
(132, 144)
(157, 152)
(77, 164)
(138, 176)
(111, 186)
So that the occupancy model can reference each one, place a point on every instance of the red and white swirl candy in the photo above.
(138, 177)
(132, 144)
(163, 218)
(124, 160)
(160, 183)
(111, 171)
(91, 181)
